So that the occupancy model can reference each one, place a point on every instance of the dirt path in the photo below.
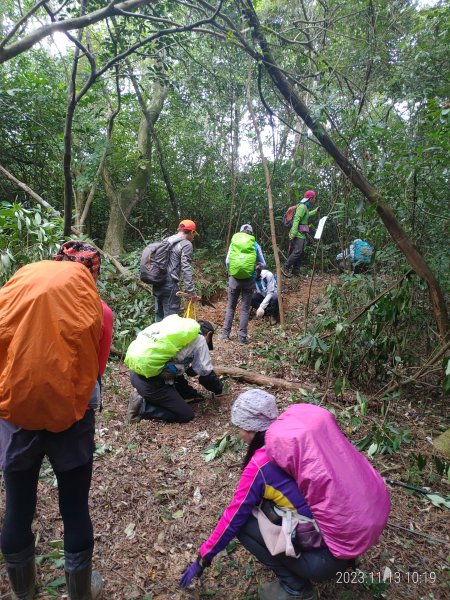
(154, 499)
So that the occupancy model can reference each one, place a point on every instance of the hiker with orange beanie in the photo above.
(179, 266)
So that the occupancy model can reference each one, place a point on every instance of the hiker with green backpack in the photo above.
(243, 254)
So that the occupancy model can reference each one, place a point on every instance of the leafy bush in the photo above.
(26, 235)
(376, 344)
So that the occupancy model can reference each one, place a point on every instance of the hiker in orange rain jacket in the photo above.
(55, 336)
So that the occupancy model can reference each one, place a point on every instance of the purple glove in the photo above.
(193, 570)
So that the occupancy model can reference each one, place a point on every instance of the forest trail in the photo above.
(154, 499)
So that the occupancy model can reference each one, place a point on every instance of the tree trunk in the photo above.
(398, 234)
(166, 177)
(155, 139)
(234, 132)
(123, 202)
(67, 160)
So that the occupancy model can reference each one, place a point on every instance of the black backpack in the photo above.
(155, 260)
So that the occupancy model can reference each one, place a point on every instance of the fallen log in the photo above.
(258, 379)
(249, 376)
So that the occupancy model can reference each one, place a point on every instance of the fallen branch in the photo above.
(425, 369)
(29, 191)
(249, 376)
(116, 352)
(264, 380)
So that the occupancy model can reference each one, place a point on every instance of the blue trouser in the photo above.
(294, 573)
(166, 300)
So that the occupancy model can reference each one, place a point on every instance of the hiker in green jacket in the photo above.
(298, 233)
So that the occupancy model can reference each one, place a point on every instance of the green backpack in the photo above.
(242, 255)
(148, 354)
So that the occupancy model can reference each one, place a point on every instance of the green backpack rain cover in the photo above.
(148, 354)
(242, 255)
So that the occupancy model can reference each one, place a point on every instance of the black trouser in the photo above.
(21, 497)
(294, 573)
(295, 253)
(167, 402)
(272, 310)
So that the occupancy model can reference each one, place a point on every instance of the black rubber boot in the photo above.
(82, 582)
(135, 405)
(22, 573)
(274, 591)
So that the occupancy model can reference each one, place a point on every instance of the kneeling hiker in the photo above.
(357, 258)
(54, 344)
(307, 504)
(265, 299)
(159, 358)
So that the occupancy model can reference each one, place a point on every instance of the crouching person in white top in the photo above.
(265, 298)
(164, 396)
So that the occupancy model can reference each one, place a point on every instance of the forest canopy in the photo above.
(125, 117)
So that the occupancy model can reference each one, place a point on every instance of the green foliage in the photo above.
(374, 346)
(384, 439)
(438, 500)
(209, 270)
(421, 469)
(55, 560)
(133, 307)
(227, 443)
(377, 588)
(26, 235)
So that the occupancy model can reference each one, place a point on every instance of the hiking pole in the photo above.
(419, 490)
(424, 535)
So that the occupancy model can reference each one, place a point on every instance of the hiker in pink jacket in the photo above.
(272, 517)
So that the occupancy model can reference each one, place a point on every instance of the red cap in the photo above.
(310, 194)
(187, 225)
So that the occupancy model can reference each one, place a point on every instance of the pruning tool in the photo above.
(203, 301)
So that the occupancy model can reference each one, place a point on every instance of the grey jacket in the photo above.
(180, 262)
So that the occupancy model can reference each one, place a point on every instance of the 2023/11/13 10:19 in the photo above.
(386, 575)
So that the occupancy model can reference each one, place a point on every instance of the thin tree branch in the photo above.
(39, 34)
(29, 191)
(19, 23)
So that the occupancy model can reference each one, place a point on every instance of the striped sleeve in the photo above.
(249, 493)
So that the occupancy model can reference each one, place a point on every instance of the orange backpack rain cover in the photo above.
(50, 320)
